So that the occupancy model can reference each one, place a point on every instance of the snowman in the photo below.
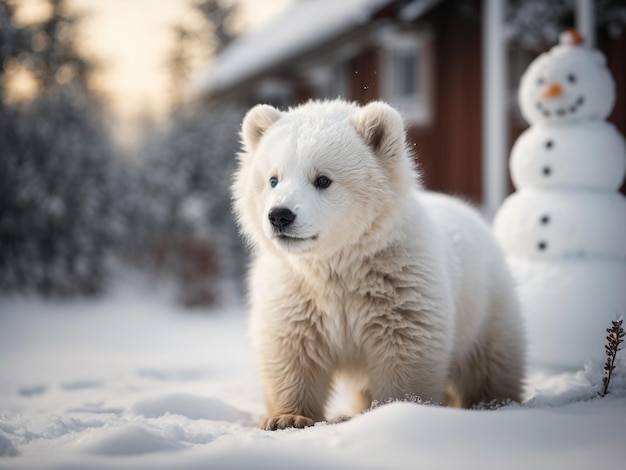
(564, 230)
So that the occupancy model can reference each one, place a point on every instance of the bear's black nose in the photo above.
(280, 217)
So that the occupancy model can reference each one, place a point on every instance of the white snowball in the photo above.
(586, 88)
(589, 154)
(543, 224)
(567, 307)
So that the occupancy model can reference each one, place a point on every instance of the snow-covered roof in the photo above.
(302, 26)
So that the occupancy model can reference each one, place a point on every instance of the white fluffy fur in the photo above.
(400, 291)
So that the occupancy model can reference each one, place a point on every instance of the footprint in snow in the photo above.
(173, 375)
(131, 440)
(32, 390)
(81, 385)
(6, 448)
(191, 406)
(96, 410)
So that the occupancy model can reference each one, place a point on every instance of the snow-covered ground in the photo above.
(132, 381)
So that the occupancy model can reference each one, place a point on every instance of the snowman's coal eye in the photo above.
(541, 81)
(571, 78)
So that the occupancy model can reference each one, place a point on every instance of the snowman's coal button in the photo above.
(542, 245)
(549, 144)
(546, 170)
(545, 219)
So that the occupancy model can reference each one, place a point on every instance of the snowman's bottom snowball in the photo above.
(567, 306)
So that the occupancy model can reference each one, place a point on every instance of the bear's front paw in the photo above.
(272, 423)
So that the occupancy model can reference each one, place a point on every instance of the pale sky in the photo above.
(130, 38)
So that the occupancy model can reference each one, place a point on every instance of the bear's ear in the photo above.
(381, 128)
(255, 124)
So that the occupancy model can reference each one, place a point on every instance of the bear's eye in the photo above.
(273, 181)
(571, 78)
(322, 182)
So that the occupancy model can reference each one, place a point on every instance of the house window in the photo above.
(404, 80)
(404, 74)
(327, 80)
(273, 91)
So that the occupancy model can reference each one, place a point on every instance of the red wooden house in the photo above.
(426, 57)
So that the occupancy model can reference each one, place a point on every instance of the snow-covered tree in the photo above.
(218, 22)
(537, 23)
(59, 215)
(14, 40)
(55, 59)
(611, 14)
(192, 46)
(59, 212)
(179, 63)
(183, 215)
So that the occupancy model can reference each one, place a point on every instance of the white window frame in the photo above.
(328, 80)
(275, 91)
(415, 107)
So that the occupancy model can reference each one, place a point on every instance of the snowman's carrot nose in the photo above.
(553, 91)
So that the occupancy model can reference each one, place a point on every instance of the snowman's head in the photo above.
(568, 83)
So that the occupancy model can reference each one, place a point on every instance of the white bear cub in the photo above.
(360, 274)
